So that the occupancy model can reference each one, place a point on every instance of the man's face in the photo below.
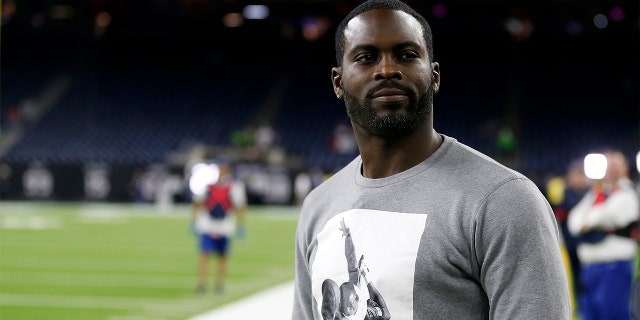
(386, 77)
(616, 167)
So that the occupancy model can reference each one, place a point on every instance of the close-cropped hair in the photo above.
(381, 4)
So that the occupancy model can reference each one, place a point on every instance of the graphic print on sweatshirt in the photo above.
(365, 263)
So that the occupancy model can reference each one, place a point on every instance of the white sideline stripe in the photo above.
(139, 308)
(271, 304)
(90, 280)
(84, 302)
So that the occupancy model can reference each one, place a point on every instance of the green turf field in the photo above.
(125, 262)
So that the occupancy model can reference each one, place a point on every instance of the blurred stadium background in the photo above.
(112, 101)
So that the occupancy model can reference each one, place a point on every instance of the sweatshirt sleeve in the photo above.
(302, 296)
(518, 253)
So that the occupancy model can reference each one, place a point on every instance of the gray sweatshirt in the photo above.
(458, 236)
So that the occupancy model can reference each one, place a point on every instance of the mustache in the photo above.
(387, 84)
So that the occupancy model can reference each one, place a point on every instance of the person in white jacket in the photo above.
(606, 224)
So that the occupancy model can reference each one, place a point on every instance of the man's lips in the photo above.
(388, 92)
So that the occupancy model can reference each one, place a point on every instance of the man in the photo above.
(450, 233)
(605, 222)
(214, 225)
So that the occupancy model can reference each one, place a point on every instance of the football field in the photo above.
(127, 262)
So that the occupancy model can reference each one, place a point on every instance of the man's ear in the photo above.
(435, 71)
(336, 80)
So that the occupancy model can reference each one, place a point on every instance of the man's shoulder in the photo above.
(476, 175)
(476, 163)
(338, 182)
(338, 179)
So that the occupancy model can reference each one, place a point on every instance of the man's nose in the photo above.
(388, 69)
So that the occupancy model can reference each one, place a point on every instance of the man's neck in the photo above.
(385, 157)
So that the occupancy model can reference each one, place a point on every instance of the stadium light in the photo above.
(617, 14)
(232, 20)
(638, 161)
(203, 175)
(314, 27)
(439, 10)
(600, 21)
(255, 12)
(595, 166)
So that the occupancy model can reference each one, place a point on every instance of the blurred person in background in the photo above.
(449, 232)
(214, 225)
(635, 289)
(575, 186)
(606, 224)
(302, 185)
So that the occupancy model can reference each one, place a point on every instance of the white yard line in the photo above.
(271, 304)
(90, 302)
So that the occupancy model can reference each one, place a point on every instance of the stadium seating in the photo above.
(141, 115)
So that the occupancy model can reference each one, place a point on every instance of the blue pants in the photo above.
(209, 245)
(607, 291)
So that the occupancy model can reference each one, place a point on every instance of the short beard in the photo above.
(365, 116)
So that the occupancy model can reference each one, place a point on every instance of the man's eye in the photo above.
(365, 57)
(409, 55)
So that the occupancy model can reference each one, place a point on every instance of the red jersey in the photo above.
(218, 201)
